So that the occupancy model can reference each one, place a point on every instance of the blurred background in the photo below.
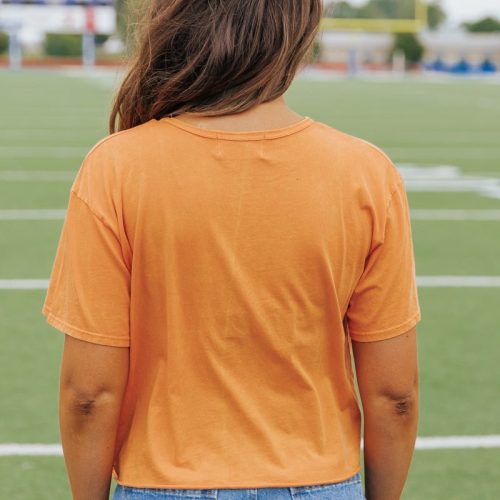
(419, 79)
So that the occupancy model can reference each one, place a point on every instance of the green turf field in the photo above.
(49, 121)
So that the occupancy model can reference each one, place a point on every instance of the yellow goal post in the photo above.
(385, 25)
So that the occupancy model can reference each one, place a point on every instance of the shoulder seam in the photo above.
(384, 155)
(107, 138)
(380, 151)
(93, 212)
(391, 195)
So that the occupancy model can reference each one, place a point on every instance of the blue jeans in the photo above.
(346, 490)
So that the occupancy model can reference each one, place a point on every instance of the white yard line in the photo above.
(422, 281)
(423, 443)
(455, 215)
(418, 178)
(102, 77)
(37, 175)
(24, 284)
(417, 214)
(458, 153)
(30, 450)
(32, 214)
(447, 179)
(457, 442)
(42, 151)
(458, 281)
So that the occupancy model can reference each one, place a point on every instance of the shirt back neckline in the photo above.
(254, 135)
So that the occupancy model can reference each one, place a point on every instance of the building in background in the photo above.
(459, 52)
(33, 19)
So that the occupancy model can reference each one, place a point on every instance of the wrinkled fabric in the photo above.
(237, 267)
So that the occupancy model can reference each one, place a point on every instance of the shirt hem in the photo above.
(387, 333)
(80, 334)
(271, 484)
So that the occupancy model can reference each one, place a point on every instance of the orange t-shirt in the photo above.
(236, 266)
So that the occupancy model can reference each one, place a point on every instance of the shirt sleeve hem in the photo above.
(80, 334)
(386, 333)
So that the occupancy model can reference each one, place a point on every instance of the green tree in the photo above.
(129, 14)
(485, 25)
(410, 45)
(340, 10)
(4, 42)
(392, 9)
(436, 15)
(122, 17)
(57, 44)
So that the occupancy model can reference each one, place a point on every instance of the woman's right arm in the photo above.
(387, 374)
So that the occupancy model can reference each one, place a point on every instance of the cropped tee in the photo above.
(236, 267)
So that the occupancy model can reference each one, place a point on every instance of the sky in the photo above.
(466, 10)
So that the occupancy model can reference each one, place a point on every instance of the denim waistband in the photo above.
(350, 489)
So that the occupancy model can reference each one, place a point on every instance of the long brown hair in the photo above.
(214, 57)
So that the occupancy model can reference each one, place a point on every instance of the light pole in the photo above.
(88, 38)
(12, 29)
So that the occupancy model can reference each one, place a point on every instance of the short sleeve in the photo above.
(385, 300)
(88, 296)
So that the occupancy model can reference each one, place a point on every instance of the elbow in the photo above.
(388, 412)
(84, 404)
(402, 400)
(80, 411)
(402, 404)
(398, 401)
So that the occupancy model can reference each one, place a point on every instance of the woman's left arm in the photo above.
(92, 384)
